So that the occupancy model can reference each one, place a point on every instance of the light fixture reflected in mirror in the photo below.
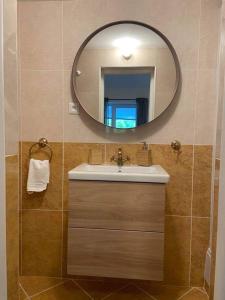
(126, 46)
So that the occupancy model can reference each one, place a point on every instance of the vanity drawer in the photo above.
(117, 205)
(115, 253)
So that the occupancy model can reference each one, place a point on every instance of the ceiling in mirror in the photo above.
(125, 74)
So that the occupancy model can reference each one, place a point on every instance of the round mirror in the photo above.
(125, 74)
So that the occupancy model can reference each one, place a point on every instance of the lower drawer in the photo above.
(115, 253)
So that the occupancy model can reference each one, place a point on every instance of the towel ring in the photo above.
(42, 143)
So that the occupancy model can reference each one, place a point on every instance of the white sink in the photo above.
(134, 173)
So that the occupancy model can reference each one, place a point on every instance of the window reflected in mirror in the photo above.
(126, 97)
(125, 75)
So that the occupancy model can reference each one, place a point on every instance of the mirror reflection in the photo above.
(125, 76)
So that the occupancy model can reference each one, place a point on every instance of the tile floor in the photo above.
(45, 288)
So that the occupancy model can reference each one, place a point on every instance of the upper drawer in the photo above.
(117, 205)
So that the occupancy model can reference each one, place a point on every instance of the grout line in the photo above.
(66, 210)
(82, 289)
(189, 216)
(88, 280)
(18, 111)
(194, 133)
(186, 293)
(39, 209)
(20, 124)
(46, 290)
(40, 70)
(63, 131)
(196, 217)
(40, 276)
(118, 229)
(202, 290)
(144, 291)
(204, 285)
(178, 216)
(21, 214)
(105, 149)
(11, 155)
(22, 288)
(116, 291)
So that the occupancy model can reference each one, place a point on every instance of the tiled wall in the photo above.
(12, 224)
(11, 78)
(50, 33)
(214, 224)
(217, 155)
(11, 146)
(44, 215)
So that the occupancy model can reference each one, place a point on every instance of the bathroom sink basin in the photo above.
(132, 173)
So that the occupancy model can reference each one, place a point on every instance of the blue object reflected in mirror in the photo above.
(126, 103)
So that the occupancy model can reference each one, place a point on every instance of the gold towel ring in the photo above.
(42, 143)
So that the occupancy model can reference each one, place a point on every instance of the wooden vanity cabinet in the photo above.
(116, 229)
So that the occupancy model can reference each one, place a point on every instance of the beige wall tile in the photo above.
(209, 33)
(206, 107)
(155, 13)
(202, 181)
(11, 98)
(164, 129)
(179, 188)
(200, 244)
(52, 197)
(10, 77)
(41, 105)
(177, 250)
(187, 20)
(40, 34)
(41, 243)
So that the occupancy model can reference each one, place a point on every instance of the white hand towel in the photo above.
(38, 176)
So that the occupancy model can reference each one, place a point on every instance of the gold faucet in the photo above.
(120, 159)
